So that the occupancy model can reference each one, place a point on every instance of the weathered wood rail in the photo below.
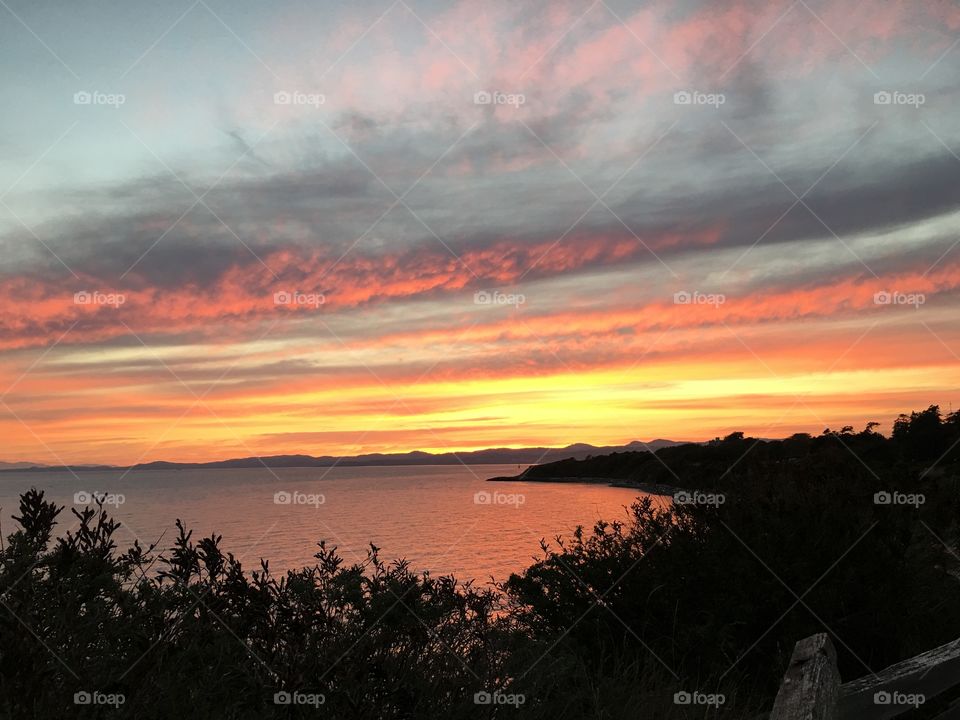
(811, 685)
(811, 688)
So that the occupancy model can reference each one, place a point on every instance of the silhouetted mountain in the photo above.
(18, 465)
(922, 437)
(490, 456)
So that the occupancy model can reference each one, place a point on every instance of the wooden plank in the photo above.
(927, 674)
(811, 684)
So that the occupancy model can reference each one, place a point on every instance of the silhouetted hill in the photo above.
(18, 465)
(491, 456)
(918, 440)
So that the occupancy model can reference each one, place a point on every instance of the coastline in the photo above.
(649, 488)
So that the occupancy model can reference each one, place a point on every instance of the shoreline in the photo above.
(649, 488)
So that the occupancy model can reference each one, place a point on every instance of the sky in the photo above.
(245, 228)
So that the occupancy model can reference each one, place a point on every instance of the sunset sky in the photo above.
(345, 227)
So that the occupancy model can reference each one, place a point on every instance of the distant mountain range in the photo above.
(492, 456)
(19, 465)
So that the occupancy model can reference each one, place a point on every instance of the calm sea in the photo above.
(445, 519)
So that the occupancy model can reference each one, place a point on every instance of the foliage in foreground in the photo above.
(707, 597)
